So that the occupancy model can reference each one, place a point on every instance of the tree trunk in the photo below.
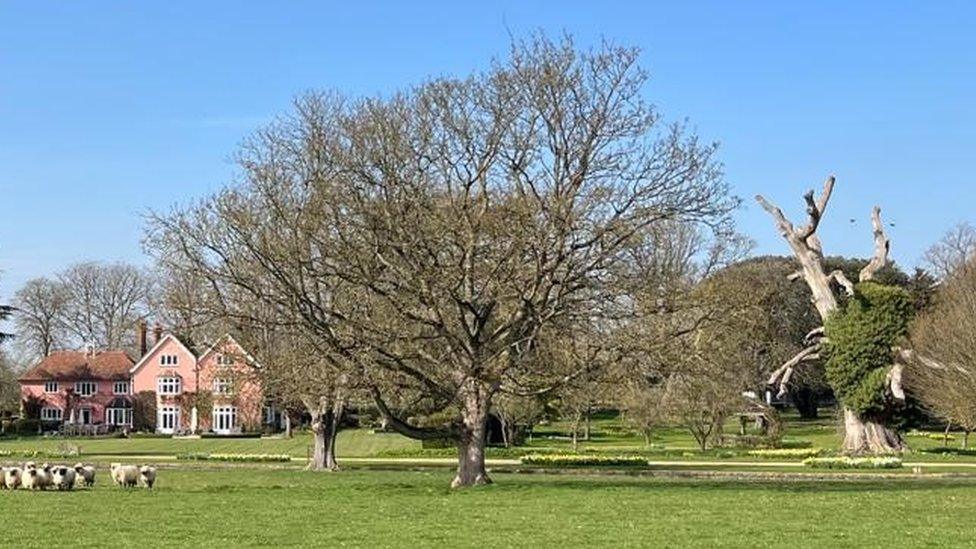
(965, 439)
(506, 439)
(945, 435)
(586, 424)
(471, 443)
(325, 428)
(805, 402)
(576, 423)
(868, 437)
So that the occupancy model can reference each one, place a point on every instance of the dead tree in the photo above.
(862, 435)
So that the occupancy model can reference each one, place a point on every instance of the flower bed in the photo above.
(787, 453)
(572, 460)
(254, 458)
(853, 463)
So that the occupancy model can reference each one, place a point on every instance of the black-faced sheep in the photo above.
(11, 477)
(63, 478)
(147, 476)
(86, 474)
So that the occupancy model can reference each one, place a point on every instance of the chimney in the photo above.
(142, 338)
(157, 333)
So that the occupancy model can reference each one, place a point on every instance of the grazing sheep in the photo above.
(125, 475)
(3, 476)
(11, 477)
(147, 476)
(30, 465)
(87, 474)
(63, 478)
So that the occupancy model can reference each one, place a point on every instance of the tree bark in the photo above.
(869, 437)
(325, 428)
(472, 440)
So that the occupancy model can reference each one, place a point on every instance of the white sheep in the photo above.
(125, 475)
(87, 474)
(35, 479)
(147, 476)
(11, 477)
(63, 478)
(3, 476)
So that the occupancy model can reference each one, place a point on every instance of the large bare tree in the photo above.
(41, 306)
(862, 434)
(430, 237)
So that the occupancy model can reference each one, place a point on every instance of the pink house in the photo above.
(216, 391)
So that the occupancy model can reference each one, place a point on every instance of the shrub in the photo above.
(259, 458)
(853, 463)
(787, 453)
(570, 460)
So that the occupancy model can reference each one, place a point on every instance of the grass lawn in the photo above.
(262, 507)
(351, 443)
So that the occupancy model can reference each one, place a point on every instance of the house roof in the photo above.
(80, 365)
(229, 338)
(162, 341)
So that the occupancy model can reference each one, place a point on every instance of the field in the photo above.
(263, 507)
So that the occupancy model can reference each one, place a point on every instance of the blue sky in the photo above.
(108, 109)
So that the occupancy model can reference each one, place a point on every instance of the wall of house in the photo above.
(246, 394)
(97, 402)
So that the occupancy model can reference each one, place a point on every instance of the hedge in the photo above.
(570, 460)
(853, 463)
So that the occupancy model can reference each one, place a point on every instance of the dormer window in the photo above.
(85, 388)
(168, 360)
(51, 387)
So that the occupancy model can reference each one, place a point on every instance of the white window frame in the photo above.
(225, 360)
(169, 360)
(48, 387)
(222, 386)
(51, 413)
(269, 415)
(126, 387)
(86, 384)
(169, 386)
(226, 415)
(112, 416)
(172, 411)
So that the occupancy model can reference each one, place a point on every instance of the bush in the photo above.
(853, 463)
(25, 427)
(569, 460)
(258, 458)
(787, 453)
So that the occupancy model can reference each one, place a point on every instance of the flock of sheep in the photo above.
(61, 477)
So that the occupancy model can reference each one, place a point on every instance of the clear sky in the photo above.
(108, 109)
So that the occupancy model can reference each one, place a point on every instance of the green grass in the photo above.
(285, 508)
(351, 443)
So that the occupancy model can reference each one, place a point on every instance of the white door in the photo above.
(224, 419)
(169, 419)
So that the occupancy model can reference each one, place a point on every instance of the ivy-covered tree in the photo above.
(861, 333)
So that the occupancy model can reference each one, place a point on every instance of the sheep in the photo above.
(3, 476)
(125, 475)
(30, 465)
(12, 477)
(35, 479)
(87, 474)
(63, 478)
(147, 476)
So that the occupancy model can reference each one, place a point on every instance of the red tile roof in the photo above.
(68, 365)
